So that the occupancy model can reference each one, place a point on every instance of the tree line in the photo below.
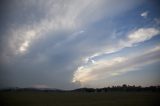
(123, 88)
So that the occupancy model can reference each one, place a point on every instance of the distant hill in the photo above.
(123, 88)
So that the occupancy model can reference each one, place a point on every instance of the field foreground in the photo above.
(79, 99)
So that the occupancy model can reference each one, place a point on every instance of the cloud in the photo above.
(133, 37)
(58, 16)
(142, 34)
(144, 14)
(116, 66)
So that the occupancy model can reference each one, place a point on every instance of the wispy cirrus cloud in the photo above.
(58, 16)
(133, 37)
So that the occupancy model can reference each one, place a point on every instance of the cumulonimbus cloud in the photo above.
(116, 66)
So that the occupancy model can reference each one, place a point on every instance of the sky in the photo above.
(68, 44)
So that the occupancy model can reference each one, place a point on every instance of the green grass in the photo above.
(79, 99)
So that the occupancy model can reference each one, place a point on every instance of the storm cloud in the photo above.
(44, 42)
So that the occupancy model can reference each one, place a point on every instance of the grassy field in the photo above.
(79, 99)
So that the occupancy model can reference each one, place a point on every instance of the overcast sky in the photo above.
(68, 44)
